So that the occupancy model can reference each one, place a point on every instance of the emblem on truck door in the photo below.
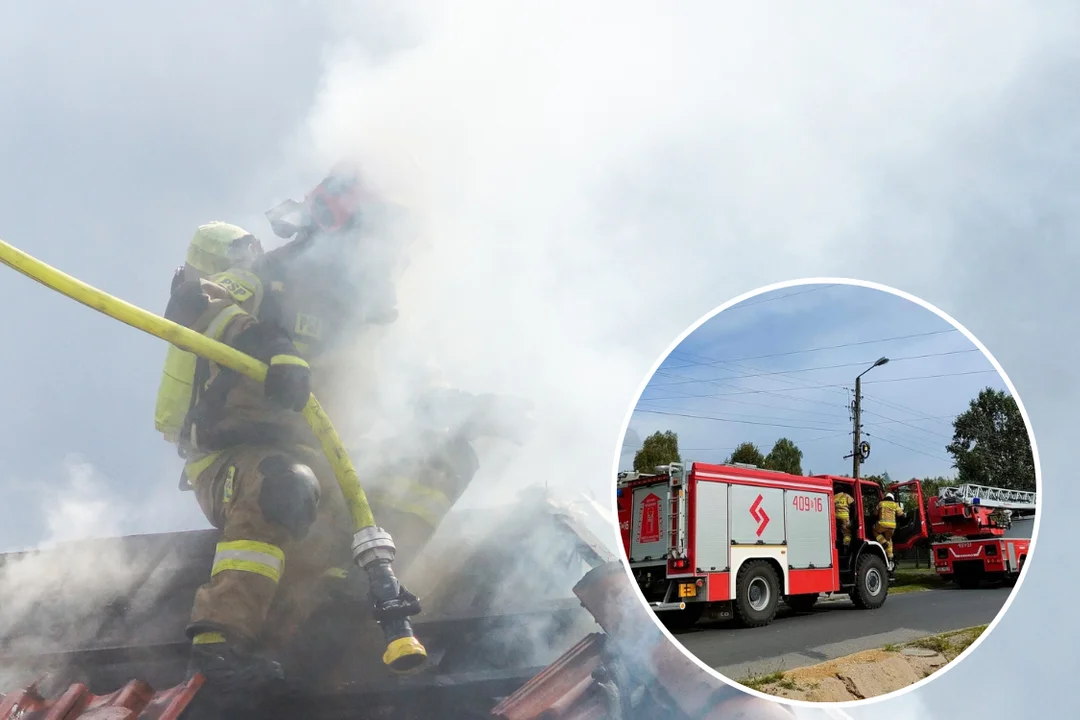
(649, 530)
(758, 513)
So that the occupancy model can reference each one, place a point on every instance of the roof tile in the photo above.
(135, 701)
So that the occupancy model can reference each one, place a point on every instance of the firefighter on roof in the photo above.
(843, 502)
(251, 459)
(887, 512)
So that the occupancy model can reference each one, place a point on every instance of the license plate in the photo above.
(687, 590)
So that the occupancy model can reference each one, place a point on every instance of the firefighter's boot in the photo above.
(237, 682)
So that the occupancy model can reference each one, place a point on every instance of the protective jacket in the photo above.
(887, 512)
(843, 502)
(294, 292)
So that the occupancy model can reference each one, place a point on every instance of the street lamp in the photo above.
(856, 456)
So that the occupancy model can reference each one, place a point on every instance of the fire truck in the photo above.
(735, 540)
(981, 534)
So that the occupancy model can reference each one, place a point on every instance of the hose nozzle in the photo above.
(392, 603)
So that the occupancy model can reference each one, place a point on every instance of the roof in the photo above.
(526, 616)
(497, 593)
(134, 701)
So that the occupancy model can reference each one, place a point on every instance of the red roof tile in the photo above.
(565, 689)
(135, 701)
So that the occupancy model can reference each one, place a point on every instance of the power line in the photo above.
(759, 417)
(719, 419)
(822, 367)
(917, 413)
(722, 383)
(822, 386)
(936, 457)
(779, 297)
(817, 349)
(937, 433)
(930, 377)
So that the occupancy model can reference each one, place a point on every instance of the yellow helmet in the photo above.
(217, 246)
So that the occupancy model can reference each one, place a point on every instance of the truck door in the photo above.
(911, 528)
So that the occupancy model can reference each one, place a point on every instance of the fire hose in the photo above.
(373, 548)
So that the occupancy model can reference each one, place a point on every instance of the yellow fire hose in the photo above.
(372, 546)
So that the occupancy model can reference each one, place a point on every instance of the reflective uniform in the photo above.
(887, 512)
(273, 563)
(842, 502)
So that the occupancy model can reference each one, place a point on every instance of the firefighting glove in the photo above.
(288, 381)
(288, 377)
(187, 300)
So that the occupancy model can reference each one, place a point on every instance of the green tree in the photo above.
(660, 448)
(785, 456)
(748, 454)
(990, 444)
(931, 486)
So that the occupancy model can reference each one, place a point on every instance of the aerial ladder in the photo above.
(968, 525)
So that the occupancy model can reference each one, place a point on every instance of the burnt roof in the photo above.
(496, 587)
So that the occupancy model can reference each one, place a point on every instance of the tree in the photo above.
(785, 456)
(931, 486)
(660, 448)
(990, 444)
(748, 454)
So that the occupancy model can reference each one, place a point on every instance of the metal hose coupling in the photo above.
(392, 603)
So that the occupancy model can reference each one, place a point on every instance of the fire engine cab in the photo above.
(733, 540)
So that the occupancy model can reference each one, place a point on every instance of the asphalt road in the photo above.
(836, 628)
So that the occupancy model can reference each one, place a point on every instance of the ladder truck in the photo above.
(734, 541)
(978, 534)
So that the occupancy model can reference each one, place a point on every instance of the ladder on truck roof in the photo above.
(990, 497)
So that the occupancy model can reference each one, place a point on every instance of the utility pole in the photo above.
(856, 458)
(856, 418)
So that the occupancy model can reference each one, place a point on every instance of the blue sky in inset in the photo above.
(783, 364)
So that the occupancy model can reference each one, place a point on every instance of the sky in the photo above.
(783, 363)
(596, 177)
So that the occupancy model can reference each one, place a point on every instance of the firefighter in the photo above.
(251, 458)
(843, 502)
(887, 512)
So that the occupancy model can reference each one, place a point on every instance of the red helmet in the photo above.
(335, 203)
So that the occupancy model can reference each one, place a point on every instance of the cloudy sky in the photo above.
(783, 363)
(596, 177)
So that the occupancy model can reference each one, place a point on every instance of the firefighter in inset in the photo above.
(251, 458)
(843, 502)
(887, 512)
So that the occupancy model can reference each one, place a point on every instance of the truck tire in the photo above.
(801, 603)
(757, 594)
(682, 619)
(871, 583)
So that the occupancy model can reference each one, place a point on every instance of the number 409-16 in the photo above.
(807, 504)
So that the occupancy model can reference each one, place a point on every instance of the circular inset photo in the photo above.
(827, 491)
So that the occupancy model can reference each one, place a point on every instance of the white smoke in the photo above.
(594, 177)
(597, 176)
(51, 596)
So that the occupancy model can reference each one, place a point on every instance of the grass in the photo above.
(950, 644)
(757, 682)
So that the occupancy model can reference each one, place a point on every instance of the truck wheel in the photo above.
(801, 603)
(871, 583)
(757, 594)
(682, 619)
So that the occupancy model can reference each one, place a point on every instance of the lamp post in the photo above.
(856, 457)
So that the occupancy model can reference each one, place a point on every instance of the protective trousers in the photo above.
(845, 527)
(285, 531)
(884, 535)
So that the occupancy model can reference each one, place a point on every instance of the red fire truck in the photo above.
(733, 540)
(982, 533)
